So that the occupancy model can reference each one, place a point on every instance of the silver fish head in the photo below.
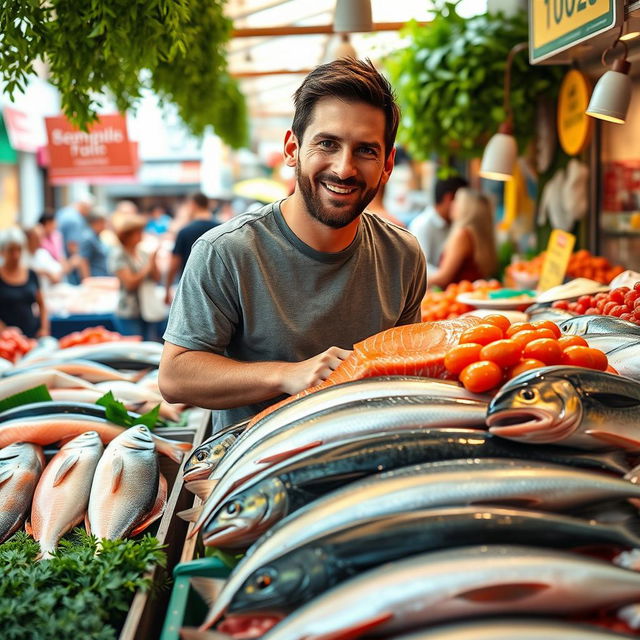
(536, 406)
(205, 458)
(136, 437)
(86, 440)
(247, 515)
(285, 583)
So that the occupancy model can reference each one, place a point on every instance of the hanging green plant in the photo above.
(449, 80)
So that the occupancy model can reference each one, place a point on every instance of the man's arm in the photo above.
(213, 381)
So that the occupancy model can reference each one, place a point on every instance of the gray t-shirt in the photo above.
(253, 291)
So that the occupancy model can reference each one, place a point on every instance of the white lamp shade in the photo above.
(352, 15)
(610, 98)
(499, 157)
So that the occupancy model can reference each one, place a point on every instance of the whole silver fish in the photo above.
(585, 325)
(346, 422)
(85, 369)
(62, 495)
(127, 492)
(512, 628)
(571, 406)
(21, 464)
(625, 359)
(458, 482)
(538, 312)
(462, 583)
(608, 342)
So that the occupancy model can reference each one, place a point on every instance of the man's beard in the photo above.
(313, 201)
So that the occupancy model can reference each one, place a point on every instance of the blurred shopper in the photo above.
(91, 248)
(37, 258)
(470, 251)
(52, 240)
(201, 221)
(72, 221)
(132, 265)
(377, 206)
(158, 220)
(19, 288)
(431, 227)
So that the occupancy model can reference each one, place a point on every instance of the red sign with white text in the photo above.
(104, 151)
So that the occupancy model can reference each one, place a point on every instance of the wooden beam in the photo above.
(271, 72)
(292, 30)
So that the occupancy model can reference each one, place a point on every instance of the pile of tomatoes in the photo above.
(496, 350)
(621, 302)
(441, 305)
(91, 335)
(14, 344)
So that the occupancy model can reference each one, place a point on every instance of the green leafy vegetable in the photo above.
(37, 394)
(116, 412)
(229, 560)
(75, 594)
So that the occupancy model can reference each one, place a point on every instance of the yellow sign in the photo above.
(555, 25)
(574, 125)
(556, 259)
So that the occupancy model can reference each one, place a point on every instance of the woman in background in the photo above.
(20, 294)
(470, 251)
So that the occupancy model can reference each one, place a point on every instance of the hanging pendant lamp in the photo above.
(352, 16)
(345, 49)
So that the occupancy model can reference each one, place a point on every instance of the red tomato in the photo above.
(461, 356)
(631, 297)
(481, 334)
(516, 327)
(525, 337)
(545, 349)
(616, 296)
(481, 376)
(578, 356)
(525, 365)
(561, 304)
(499, 320)
(636, 286)
(572, 341)
(548, 324)
(505, 353)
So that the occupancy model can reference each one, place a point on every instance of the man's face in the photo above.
(341, 161)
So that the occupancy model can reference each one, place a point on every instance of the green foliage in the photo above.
(37, 394)
(75, 594)
(122, 46)
(450, 82)
(117, 413)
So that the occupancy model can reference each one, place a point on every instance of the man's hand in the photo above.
(298, 376)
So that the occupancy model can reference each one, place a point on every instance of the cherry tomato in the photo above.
(585, 357)
(525, 337)
(545, 349)
(548, 324)
(481, 376)
(543, 332)
(461, 356)
(525, 365)
(499, 320)
(572, 341)
(481, 334)
(505, 353)
(516, 327)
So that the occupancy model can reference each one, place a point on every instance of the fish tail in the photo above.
(173, 449)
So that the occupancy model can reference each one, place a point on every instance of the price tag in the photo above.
(556, 259)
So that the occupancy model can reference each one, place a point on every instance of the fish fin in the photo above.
(28, 528)
(208, 588)
(354, 631)
(173, 449)
(202, 488)
(116, 472)
(158, 507)
(5, 475)
(504, 592)
(285, 455)
(191, 633)
(614, 439)
(191, 515)
(87, 524)
(68, 464)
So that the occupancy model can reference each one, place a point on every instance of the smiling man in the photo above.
(271, 302)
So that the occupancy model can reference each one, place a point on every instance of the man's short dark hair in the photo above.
(201, 201)
(350, 80)
(47, 216)
(449, 185)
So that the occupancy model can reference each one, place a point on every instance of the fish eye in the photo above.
(529, 394)
(234, 507)
(263, 581)
(201, 455)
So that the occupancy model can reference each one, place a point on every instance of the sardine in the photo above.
(85, 369)
(20, 467)
(45, 429)
(461, 583)
(625, 359)
(273, 494)
(49, 377)
(570, 406)
(128, 492)
(458, 482)
(62, 495)
(512, 628)
(585, 325)
(539, 311)
(346, 422)
(302, 574)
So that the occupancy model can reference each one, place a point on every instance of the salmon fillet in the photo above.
(411, 350)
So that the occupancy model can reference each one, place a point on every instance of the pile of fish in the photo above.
(399, 504)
